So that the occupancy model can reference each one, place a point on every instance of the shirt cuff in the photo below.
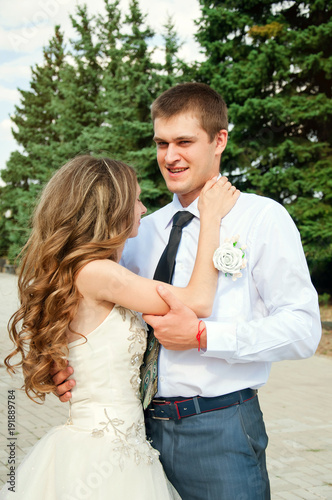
(220, 339)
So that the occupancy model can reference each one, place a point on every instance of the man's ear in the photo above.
(221, 140)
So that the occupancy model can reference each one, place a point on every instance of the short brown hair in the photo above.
(198, 98)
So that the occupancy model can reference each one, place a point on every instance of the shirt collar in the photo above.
(171, 209)
(175, 206)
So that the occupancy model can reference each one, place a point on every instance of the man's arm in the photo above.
(178, 329)
(289, 327)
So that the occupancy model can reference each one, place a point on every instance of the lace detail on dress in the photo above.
(128, 442)
(137, 346)
(122, 311)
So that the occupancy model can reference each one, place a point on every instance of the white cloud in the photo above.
(5, 124)
(191, 52)
(7, 141)
(34, 25)
(25, 40)
(32, 12)
(183, 14)
(11, 95)
(5, 128)
(11, 72)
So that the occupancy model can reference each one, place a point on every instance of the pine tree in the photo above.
(93, 97)
(77, 98)
(174, 69)
(129, 85)
(32, 165)
(272, 63)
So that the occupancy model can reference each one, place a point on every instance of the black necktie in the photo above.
(165, 267)
(164, 272)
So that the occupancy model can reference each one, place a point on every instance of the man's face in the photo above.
(186, 157)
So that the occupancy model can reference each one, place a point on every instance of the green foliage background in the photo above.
(271, 61)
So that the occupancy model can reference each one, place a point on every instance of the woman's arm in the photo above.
(105, 280)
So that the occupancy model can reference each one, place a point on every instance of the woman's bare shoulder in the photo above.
(95, 271)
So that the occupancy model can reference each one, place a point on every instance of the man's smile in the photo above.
(176, 170)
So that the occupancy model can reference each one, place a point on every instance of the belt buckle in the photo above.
(158, 418)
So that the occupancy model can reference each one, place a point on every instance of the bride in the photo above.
(78, 303)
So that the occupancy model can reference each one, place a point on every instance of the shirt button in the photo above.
(161, 379)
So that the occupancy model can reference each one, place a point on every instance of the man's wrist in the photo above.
(204, 338)
(201, 337)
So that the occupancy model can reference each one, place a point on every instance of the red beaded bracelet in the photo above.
(199, 333)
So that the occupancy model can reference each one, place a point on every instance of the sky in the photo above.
(26, 26)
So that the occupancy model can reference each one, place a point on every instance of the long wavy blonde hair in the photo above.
(86, 212)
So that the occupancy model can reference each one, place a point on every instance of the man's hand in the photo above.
(176, 330)
(64, 386)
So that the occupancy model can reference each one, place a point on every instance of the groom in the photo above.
(205, 418)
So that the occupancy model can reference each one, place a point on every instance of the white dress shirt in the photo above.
(269, 314)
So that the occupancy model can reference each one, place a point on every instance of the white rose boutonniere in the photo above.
(229, 259)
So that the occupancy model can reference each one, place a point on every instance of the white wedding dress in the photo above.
(101, 453)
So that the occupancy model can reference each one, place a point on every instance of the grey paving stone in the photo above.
(296, 403)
